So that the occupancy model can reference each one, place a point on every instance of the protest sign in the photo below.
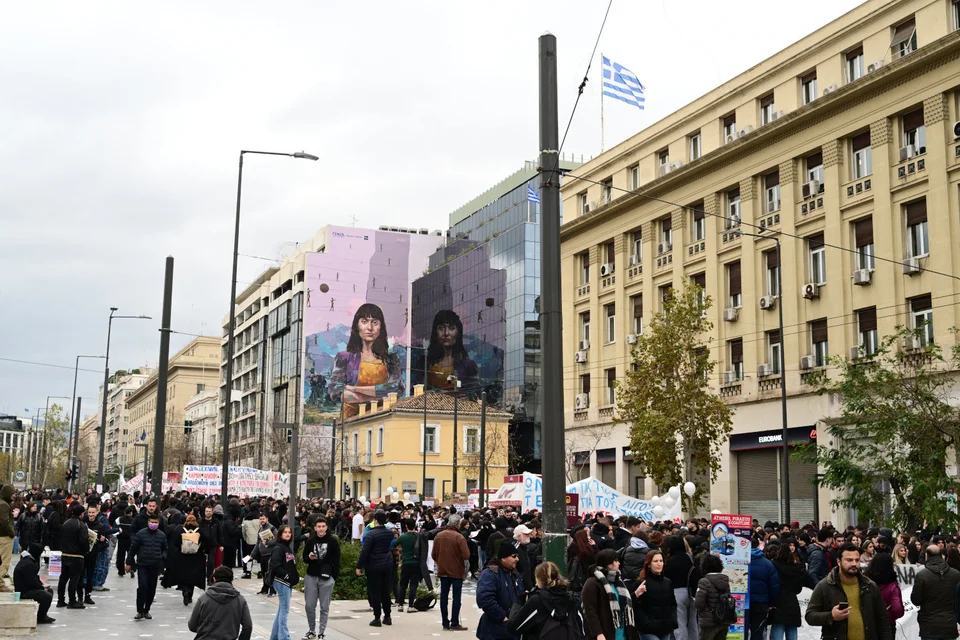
(243, 481)
(730, 539)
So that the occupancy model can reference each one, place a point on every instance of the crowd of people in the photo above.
(625, 579)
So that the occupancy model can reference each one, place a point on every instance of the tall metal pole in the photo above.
(146, 456)
(423, 484)
(481, 499)
(160, 416)
(456, 403)
(231, 323)
(783, 394)
(551, 328)
(103, 405)
(333, 460)
(294, 465)
(73, 460)
(74, 434)
(343, 450)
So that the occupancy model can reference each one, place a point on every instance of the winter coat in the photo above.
(376, 555)
(818, 564)
(221, 614)
(709, 589)
(829, 593)
(185, 569)
(102, 527)
(450, 552)
(600, 534)
(31, 529)
(141, 521)
(792, 579)
(934, 590)
(656, 610)
(528, 614)
(250, 527)
(6, 512)
(621, 538)
(597, 617)
(327, 550)
(210, 529)
(764, 584)
(893, 599)
(74, 538)
(230, 533)
(26, 575)
(497, 591)
(51, 531)
(632, 558)
(679, 569)
(283, 565)
(148, 548)
(125, 524)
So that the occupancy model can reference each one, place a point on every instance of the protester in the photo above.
(26, 581)
(900, 554)
(581, 555)
(657, 609)
(608, 610)
(266, 538)
(186, 562)
(550, 600)
(882, 572)
(498, 589)
(633, 557)
(764, 589)
(376, 558)
(31, 526)
(221, 613)
(680, 570)
(784, 615)
(210, 531)
(148, 551)
(321, 553)
(819, 560)
(451, 554)
(125, 525)
(74, 545)
(934, 592)
(713, 586)
(284, 577)
(7, 533)
(863, 614)
(410, 575)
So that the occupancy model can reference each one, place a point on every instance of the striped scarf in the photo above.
(619, 619)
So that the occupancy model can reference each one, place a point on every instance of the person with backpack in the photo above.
(684, 576)
(763, 585)
(266, 538)
(656, 606)
(125, 524)
(548, 611)
(221, 613)
(376, 558)
(714, 602)
(632, 558)
(249, 529)
(608, 610)
(581, 555)
(410, 564)
(187, 558)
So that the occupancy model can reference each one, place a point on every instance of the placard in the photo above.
(730, 539)
(53, 571)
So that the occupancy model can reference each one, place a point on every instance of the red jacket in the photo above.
(893, 599)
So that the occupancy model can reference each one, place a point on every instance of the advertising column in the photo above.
(730, 539)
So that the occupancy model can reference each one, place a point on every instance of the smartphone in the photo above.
(843, 606)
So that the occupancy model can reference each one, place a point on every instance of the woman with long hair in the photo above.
(581, 555)
(550, 598)
(784, 616)
(656, 608)
(283, 573)
(607, 603)
(900, 554)
(367, 370)
(867, 552)
(447, 357)
(684, 576)
(187, 558)
(881, 571)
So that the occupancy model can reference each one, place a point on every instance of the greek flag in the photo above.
(532, 196)
(620, 83)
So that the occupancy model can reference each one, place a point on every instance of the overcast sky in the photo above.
(121, 123)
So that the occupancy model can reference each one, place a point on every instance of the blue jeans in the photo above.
(445, 584)
(782, 632)
(280, 630)
(652, 636)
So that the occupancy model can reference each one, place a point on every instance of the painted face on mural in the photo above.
(447, 335)
(369, 329)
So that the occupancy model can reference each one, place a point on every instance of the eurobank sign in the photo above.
(772, 439)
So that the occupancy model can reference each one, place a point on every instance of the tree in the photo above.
(52, 465)
(894, 435)
(583, 441)
(498, 449)
(666, 400)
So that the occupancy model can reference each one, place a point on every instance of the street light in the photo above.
(785, 472)
(233, 307)
(106, 383)
(456, 397)
(74, 441)
(146, 457)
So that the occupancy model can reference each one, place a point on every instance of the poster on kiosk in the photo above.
(730, 539)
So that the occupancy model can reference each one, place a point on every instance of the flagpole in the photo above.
(602, 133)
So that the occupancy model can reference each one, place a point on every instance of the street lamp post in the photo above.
(106, 384)
(73, 440)
(456, 396)
(146, 456)
(785, 472)
(231, 322)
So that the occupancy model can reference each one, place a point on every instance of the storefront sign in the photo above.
(772, 439)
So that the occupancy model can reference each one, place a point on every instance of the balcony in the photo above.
(730, 237)
(811, 209)
(856, 191)
(583, 290)
(664, 257)
(911, 169)
(696, 250)
(635, 270)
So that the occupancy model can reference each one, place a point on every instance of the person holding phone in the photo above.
(847, 604)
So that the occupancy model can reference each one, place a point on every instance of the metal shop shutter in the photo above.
(758, 484)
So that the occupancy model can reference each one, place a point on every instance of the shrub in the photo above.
(349, 586)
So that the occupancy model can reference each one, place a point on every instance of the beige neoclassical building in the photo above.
(846, 143)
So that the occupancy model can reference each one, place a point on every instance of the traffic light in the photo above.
(289, 436)
(346, 489)
(188, 424)
(69, 475)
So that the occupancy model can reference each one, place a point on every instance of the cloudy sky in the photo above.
(121, 123)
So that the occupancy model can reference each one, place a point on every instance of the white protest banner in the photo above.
(245, 482)
(55, 564)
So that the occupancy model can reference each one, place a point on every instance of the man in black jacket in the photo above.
(221, 613)
(26, 580)
(140, 522)
(864, 613)
(321, 552)
(210, 529)
(933, 592)
(74, 545)
(148, 550)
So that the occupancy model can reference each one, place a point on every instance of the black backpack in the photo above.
(426, 602)
(562, 625)
(726, 610)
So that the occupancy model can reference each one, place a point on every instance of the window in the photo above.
(635, 177)
(637, 303)
(585, 268)
(808, 88)
(855, 64)
(379, 486)
(698, 230)
(582, 205)
(610, 313)
(956, 14)
(666, 235)
(733, 209)
(729, 124)
(430, 437)
(369, 442)
(200, 388)
(471, 440)
(921, 317)
(904, 39)
(610, 254)
(611, 386)
(773, 351)
(766, 109)
(918, 244)
(914, 132)
(380, 440)
(772, 261)
(585, 383)
(736, 357)
(695, 147)
(818, 339)
(429, 488)
(606, 188)
(666, 294)
(585, 326)
(733, 285)
(867, 328)
(863, 239)
(663, 160)
(817, 259)
(771, 184)
(862, 165)
(472, 483)
(637, 254)
(813, 165)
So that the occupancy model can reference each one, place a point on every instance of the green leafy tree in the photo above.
(53, 451)
(893, 436)
(667, 402)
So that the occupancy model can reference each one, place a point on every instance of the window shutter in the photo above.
(863, 231)
(861, 141)
(736, 351)
(867, 319)
(916, 212)
(666, 224)
(904, 32)
(856, 52)
(766, 101)
(772, 261)
(611, 377)
(585, 380)
(815, 242)
(774, 336)
(637, 306)
(913, 120)
(772, 179)
(815, 160)
(698, 213)
(733, 273)
(921, 303)
(809, 77)
(611, 310)
(818, 330)
(700, 280)
(730, 120)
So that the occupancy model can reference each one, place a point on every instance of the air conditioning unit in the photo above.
(956, 130)
(854, 353)
(665, 169)
(584, 345)
(807, 362)
(811, 291)
(631, 338)
(912, 343)
(634, 260)
(861, 276)
(676, 165)
(764, 370)
(580, 357)
(874, 66)
(776, 115)
(811, 189)
(747, 129)
(908, 152)
(732, 137)
(730, 314)
(729, 377)
(829, 89)
(606, 269)
(582, 401)
(768, 302)
(911, 266)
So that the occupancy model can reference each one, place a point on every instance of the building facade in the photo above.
(87, 446)
(845, 145)
(121, 385)
(384, 446)
(192, 370)
(201, 422)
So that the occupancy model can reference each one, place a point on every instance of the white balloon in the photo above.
(655, 500)
(658, 511)
(689, 489)
(674, 492)
(406, 495)
(389, 490)
(669, 502)
(396, 496)
(715, 511)
(363, 498)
